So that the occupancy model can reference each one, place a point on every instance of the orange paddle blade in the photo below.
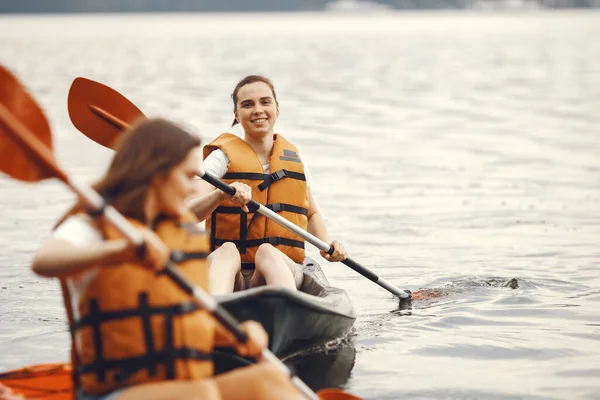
(20, 112)
(335, 394)
(100, 112)
(425, 294)
(44, 382)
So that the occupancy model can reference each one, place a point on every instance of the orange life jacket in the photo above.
(284, 191)
(136, 326)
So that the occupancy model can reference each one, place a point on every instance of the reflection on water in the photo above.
(330, 367)
(319, 368)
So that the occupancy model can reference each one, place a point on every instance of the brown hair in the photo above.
(150, 148)
(246, 81)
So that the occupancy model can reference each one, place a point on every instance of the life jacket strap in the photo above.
(151, 357)
(267, 179)
(242, 244)
(277, 175)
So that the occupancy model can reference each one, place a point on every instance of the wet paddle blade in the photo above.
(100, 112)
(426, 294)
(18, 112)
(44, 382)
(336, 394)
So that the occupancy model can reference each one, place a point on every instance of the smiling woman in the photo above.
(271, 167)
(135, 333)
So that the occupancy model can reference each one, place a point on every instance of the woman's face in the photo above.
(173, 189)
(257, 109)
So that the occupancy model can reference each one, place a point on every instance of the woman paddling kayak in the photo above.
(272, 167)
(135, 333)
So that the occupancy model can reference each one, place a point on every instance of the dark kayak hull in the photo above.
(296, 321)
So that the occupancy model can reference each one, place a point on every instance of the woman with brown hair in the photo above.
(271, 165)
(135, 334)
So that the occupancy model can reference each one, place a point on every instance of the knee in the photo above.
(230, 251)
(265, 251)
(226, 257)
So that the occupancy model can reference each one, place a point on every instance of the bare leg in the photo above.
(274, 268)
(203, 389)
(224, 264)
(256, 382)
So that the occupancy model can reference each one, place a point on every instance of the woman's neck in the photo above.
(150, 208)
(262, 146)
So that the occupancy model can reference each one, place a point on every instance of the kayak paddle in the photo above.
(91, 102)
(26, 154)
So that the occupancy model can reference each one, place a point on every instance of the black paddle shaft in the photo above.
(254, 206)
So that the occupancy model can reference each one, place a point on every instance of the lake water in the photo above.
(447, 149)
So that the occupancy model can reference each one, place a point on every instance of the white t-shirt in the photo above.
(216, 165)
(80, 231)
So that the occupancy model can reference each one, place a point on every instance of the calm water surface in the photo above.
(447, 150)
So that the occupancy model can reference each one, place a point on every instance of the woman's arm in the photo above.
(60, 258)
(77, 245)
(316, 226)
(205, 199)
(316, 223)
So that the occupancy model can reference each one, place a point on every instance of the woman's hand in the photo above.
(257, 340)
(156, 254)
(242, 196)
(339, 252)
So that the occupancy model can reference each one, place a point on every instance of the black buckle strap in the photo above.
(277, 175)
(251, 176)
(272, 240)
(98, 348)
(129, 366)
(277, 207)
(228, 210)
(242, 244)
(169, 345)
(244, 233)
(267, 179)
(275, 241)
(152, 357)
(214, 242)
(148, 334)
(248, 266)
(96, 316)
(167, 357)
